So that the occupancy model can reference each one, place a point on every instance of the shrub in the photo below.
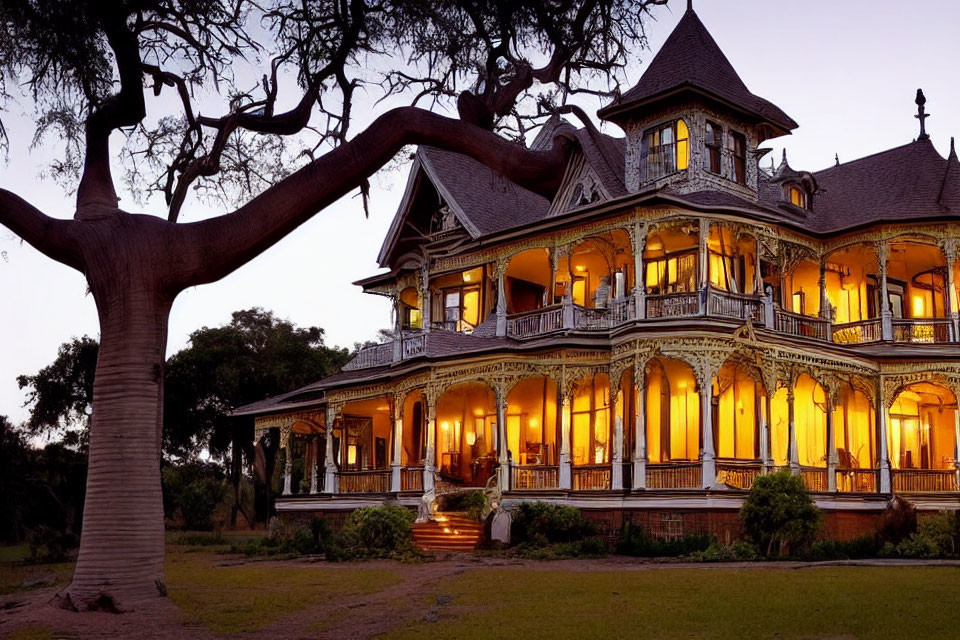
(474, 503)
(635, 541)
(779, 515)
(48, 544)
(373, 532)
(822, 550)
(198, 500)
(897, 522)
(739, 551)
(592, 547)
(542, 523)
(936, 537)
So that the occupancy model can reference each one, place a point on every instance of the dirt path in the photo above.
(358, 616)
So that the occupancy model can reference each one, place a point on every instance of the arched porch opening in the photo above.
(671, 271)
(738, 409)
(599, 269)
(922, 428)
(732, 260)
(673, 433)
(362, 444)
(855, 438)
(809, 408)
(413, 440)
(527, 281)
(853, 282)
(917, 281)
(533, 434)
(411, 313)
(466, 432)
(591, 432)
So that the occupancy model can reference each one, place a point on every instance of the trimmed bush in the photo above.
(542, 523)
(778, 514)
(936, 537)
(739, 551)
(635, 541)
(822, 550)
(474, 503)
(373, 532)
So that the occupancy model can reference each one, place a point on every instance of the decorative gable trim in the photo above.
(581, 186)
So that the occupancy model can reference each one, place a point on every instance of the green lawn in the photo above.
(231, 599)
(860, 602)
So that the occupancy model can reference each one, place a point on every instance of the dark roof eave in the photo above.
(617, 108)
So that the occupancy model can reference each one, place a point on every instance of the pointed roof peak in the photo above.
(691, 60)
(953, 151)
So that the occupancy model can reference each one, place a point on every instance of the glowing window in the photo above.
(797, 197)
(666, 149)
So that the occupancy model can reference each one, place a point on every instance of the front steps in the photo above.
(448, 532)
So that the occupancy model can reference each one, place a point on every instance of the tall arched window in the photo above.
(666, 149)
(591, 421)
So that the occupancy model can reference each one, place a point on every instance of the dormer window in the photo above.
(797, 196)
(666, 149)
(713, 141)
(737, 146)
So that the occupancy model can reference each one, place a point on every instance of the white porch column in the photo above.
(950, 250)
(501, 271)
(709, 454)
(639, 286)
(429, 463)
(762, 412)
(792, 451)
(395, 463)
(566, 472)
(831, 444)
(315, 471)
(330, 468)
(616, 477)
(886, 314)
(426, 298)
(287, 435)
(397, 330)
(825, 310)
(704, 264)
(883, 429)
(640, 431)
(503, 468)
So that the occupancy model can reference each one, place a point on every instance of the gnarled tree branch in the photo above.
(50, 236)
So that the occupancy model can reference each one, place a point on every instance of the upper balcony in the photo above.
(689, 270)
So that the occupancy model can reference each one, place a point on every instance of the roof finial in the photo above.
(922, 115)
(784, 161)
(836, 158)
(953, 150)
(689, 5)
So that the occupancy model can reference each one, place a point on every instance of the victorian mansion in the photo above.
(681, 316)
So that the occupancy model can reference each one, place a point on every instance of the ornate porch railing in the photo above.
(814, 478)
(674, 476)
(674, 305)
(364, 481)
(857, 480)
(859, 332)
(923, 330)
(933, 480)
(414, 344)
(534, 323)
(622, 310)
(590, 319)
(534, 477)
(377, 355)
(800, 325)
(738, 474)
(734, 305)
(592, 478)
(411, 479)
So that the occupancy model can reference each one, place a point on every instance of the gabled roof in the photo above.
(690, 60)
(482, 200)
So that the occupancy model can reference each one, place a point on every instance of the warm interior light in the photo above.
(580, 268)
(352, 454)
(683, 385)
(445, 425)
(383, 407)
(467, 276)
(471, 438)
(533, 423)
(918, 306)
(478, 413)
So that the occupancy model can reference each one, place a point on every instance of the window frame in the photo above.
(714, 148)
(670, 163)
(738, 160)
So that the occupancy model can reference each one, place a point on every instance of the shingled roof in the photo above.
(690, 60)
(910, 182)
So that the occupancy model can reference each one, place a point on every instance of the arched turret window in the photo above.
(666, 149)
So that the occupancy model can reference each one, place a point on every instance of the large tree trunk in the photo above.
(122, 547)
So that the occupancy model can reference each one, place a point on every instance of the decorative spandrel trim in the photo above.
(287, 420)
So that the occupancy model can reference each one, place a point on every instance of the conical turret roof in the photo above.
(690, 60)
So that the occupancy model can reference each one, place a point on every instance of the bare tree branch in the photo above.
(51, 236)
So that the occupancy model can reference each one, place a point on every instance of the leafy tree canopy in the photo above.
(255, 356)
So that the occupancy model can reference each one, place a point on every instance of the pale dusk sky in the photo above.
(847, 72)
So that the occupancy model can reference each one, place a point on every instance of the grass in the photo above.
(16, 577)
(232, 599)
(696, 603)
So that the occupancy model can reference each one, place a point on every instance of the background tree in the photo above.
(60, 395)
(255, 356)
(86, 69)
